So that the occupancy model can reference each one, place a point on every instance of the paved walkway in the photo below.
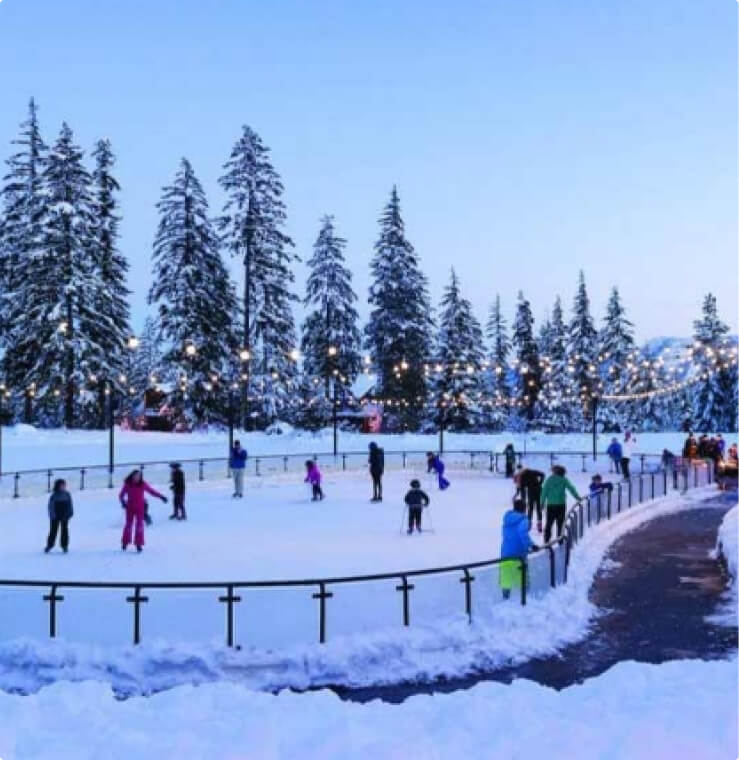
(657, 591)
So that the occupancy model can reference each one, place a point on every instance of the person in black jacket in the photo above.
(529, 487)
(377, 468)
(177, 484)
(416, 499)
(60, 513)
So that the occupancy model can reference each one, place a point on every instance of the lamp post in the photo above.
(594, 404)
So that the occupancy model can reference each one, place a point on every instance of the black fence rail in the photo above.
(84, 477)
(321, 604)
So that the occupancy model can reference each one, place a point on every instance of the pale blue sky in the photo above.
(528, 139)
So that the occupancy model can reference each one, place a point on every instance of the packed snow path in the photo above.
(655, 589)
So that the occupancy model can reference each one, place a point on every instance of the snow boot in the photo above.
(139, 549)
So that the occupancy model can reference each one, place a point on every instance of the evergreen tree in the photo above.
(650, 412)
(398, 332)
(252, 227)
(581, 354)
(528, 372)
(110, 270)
(497, 389)
(194, 297)
(20, 237)
(555, 401)
(615, 352)
(714, 393)
(331, 341)
(54, 343)
(146, 361)
(457, 385)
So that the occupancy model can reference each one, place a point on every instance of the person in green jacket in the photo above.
(554, 499)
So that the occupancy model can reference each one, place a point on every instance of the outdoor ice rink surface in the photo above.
(275, 532)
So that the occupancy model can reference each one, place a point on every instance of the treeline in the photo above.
(67, 344)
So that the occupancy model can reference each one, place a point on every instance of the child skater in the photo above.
(313, 476)
(60, 513)
(177, 484)
(416, 499)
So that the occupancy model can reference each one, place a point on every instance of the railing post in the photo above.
(404, 460)
(48, 481)
(322, 595)
(343, 461)
(582, 520)
(52, 598)
(641, 488)
(284, 464)
(491, 461)
(629, 491)
(405, 587)
(608, 503)
(137, 600)
(256, 466)
(110, 477)
(552, 578)
(652, 477)
(472, 460)
(524, 580)
(642, 463)
(16, 478)
(201, 475)
(618, 501)
(82, 479)
(584, 468)
(229, 599)
(467, 580)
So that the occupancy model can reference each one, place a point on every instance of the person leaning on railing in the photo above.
(554, 499)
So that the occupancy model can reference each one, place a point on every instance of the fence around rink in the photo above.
(275, 613)
(32, 482)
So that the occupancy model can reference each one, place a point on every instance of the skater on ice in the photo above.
(554, 500)
(177, 484)
(313, 476)
(133, 501)
(615, 453)
(60, 513)
(628, 447)
(376, 463)
(416, 500)
(237, 464)
(435, 465)
(515, 546)
(510, 460)
(529, 483)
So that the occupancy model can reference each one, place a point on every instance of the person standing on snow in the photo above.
(515, 547)
(615, 453)
(510, 460)
(177, 484)
(237, 465)
(434, 464)
(313, 476)
(529, 488)
(554, 499)
(627, 453)
(60, 513)
(132, 500)
(416, 500)
(376, 463)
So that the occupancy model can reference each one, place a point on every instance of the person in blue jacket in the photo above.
(515, 546)
(615, 452)
(434, 464)
(598, 486)
(237, 464)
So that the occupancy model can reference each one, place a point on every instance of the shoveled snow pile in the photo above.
(674, 710)
(727, 541)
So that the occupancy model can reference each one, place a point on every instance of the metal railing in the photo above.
(30, 482)
(471, 588)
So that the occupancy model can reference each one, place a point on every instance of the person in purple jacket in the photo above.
(313, 476)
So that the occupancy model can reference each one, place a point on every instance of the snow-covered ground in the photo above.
(25, 447)
(684, 709)
(726, 545)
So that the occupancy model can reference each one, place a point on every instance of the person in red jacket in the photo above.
(133, 501)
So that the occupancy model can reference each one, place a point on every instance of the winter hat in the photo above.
(175, 465)
(415, 483)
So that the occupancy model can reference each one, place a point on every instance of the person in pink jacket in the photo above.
(133, 501)
(313, 476)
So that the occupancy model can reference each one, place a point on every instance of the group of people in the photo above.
(622, 453)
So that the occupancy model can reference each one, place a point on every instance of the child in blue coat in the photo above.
(515, 546)
(434, 464)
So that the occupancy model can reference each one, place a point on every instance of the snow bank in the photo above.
(501, 634)
(727, 541)
(685, 708)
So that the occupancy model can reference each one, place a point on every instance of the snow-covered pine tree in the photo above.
(528, 371)
(714, 393)
(615, 351)
(582, 354)
(651, 413)
(110, 269)
(399, 328)
(555, 403)
(57, 331)
(146, 361)
(20, 234)
(331, 341)
(252, 227)
(195, 300)
(457, 385)
(496, 388)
